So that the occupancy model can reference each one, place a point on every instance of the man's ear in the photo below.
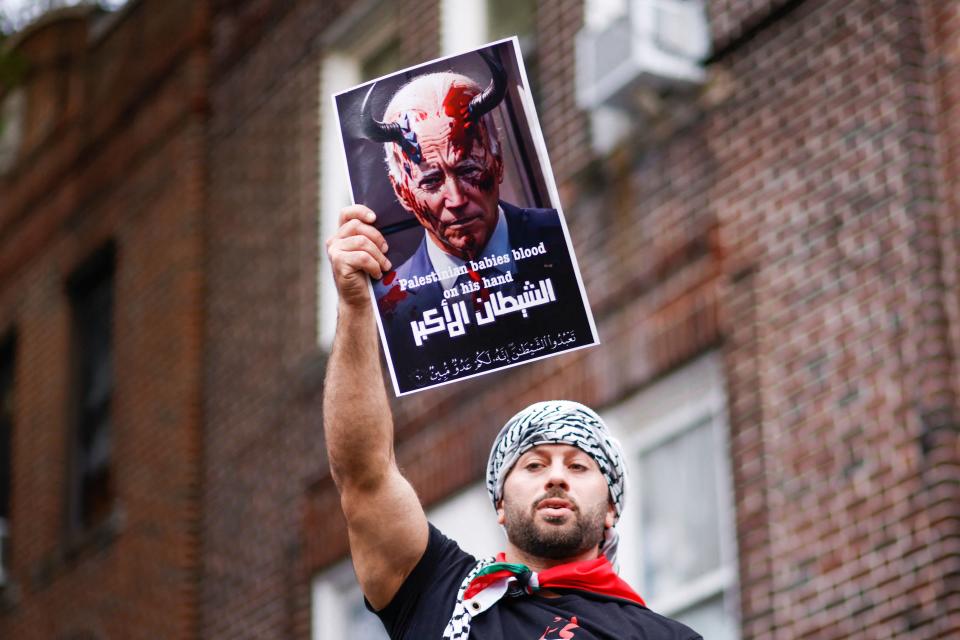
(499, 169)
(611, 516)
(501, 514)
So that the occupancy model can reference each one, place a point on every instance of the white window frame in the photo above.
(679, 403)
(463, 25)
(348, 42)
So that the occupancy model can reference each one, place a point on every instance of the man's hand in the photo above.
(356, 250)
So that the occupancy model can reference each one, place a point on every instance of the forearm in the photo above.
(357, 421)
(386, 525)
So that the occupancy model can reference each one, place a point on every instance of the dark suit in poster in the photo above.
(558, 326)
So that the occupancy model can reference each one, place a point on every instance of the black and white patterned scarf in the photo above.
(551, 422)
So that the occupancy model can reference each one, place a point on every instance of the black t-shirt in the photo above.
(421, 608)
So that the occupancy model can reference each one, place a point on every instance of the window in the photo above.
(467, 24)
(7, 370)
(90, 290)
(507, 18)
(463, 25)
(12, 109)
(468, 518)
(680, 504)
(338, 607)
(360, 49)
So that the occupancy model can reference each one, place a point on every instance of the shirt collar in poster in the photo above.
(498, 245)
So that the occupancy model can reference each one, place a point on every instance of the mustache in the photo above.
(558, 494)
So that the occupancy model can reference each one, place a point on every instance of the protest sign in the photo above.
(450, 156)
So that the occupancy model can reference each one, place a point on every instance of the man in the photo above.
(555, 477)
(445, 165)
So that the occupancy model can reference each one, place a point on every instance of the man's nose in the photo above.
(558, 476)
(454, 193)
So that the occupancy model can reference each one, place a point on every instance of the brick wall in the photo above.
(828, 208)
(800, 217)
(260, 333)
(113, 152)
(800, 222)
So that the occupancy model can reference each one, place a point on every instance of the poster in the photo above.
(450, 156)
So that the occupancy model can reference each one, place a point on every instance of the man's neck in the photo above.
(538, 563)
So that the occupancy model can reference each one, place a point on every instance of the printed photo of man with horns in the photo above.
(482, 270)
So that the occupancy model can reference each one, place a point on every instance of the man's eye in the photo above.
(576, 466)
(430, 184)
(533, 466)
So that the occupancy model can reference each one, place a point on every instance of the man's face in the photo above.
(454, 190)
(555, 502)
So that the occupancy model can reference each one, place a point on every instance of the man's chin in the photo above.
(466, 247)
(553, 521)
(556, 530)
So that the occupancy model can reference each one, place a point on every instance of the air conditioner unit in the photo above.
(652, 44)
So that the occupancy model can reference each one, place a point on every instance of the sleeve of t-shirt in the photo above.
(424, 602)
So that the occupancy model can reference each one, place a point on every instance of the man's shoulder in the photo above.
(533, 216)
(424, 602)
(532, 225)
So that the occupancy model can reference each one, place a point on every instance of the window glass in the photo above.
(91, 297)
(507, 18)
(338, 609)
(679, 511)
(680, 545)
(7, 363)
(710, 618)
(383, 60)
(348, 62)
(12, 110)
(361, 623)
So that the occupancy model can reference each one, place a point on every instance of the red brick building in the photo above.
(771, 254)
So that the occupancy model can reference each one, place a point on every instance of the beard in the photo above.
(582, 531)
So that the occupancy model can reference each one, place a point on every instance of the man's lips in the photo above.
(554, 507)
(462, 222)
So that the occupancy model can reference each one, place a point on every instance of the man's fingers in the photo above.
(341, 250)
(352, 262)
(357, 212)
(366, 245)
(357, 247)
(355, 227)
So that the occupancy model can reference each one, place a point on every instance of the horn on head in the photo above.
(373, 128)
(490, 97)
(378, 131)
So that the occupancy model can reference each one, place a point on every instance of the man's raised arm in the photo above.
(385, 521)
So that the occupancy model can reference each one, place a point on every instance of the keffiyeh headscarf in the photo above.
(556, 422)
(552, 422)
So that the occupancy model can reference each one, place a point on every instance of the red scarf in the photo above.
(593, 576)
